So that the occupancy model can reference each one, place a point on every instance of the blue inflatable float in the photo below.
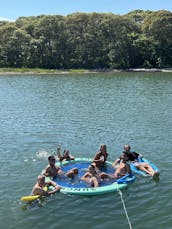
(134, 169)
(77, 187)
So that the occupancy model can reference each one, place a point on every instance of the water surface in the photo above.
(79, 112)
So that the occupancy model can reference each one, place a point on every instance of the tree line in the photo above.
(88, 40)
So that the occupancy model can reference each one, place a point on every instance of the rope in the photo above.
(120, 193)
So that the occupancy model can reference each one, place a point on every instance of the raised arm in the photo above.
(97, 157)
(117, 161)
(59, 156)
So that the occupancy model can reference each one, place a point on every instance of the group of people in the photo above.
(52, 170)
(93, 175)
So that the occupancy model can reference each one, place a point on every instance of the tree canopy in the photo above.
(88, 40)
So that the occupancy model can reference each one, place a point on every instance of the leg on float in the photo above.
(146, 168)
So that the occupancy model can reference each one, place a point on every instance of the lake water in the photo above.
(79, 112)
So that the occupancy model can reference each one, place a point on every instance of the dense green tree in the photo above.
(80, 40)
(18, 48)
(138, 16)
(6, 33)
(159, 26)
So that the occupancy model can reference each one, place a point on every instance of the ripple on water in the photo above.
(81, 112)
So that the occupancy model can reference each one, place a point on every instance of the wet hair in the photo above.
(41, 178)
(92, 168)
(103, 146)
(51, 158)
(66, 153)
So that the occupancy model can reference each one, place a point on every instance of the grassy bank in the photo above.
(39, 71)
(10, 71)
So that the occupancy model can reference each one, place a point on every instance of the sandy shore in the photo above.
(150, 70)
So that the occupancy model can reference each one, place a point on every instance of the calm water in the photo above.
(79, 113)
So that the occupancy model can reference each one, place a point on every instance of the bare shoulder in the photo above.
(47, 167)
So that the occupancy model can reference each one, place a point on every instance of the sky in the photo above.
(13, 9)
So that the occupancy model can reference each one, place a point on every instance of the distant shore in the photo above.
(36, 71)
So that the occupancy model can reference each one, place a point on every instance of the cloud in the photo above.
(5, 19)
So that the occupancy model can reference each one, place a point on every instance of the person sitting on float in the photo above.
(65, 157)
(100, 157)
(133, 157)
(122, 170)
(52, 170)
(91, 176)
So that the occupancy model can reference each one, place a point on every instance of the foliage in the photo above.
(88, 41)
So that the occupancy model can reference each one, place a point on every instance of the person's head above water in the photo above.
(41, 180)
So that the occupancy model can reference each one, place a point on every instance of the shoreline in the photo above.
(76, 71)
